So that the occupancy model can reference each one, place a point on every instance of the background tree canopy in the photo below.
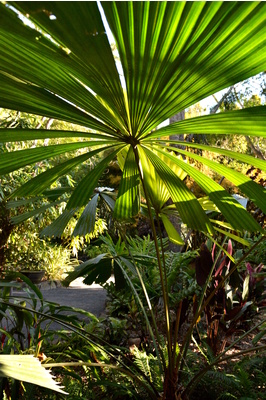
(171, 54)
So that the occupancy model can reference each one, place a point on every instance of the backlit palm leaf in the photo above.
(171, 55)
(29, 369)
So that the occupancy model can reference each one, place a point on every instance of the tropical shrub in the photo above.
(21, 247)
(233, 305)
(26, 251)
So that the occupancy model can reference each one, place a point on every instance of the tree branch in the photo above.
(216, 107)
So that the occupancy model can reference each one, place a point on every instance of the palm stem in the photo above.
(177, 323)
(173, 343)
(164, 291)
(157, 348)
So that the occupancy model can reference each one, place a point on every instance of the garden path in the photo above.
(89, 298)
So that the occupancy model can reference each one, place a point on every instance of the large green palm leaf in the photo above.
(171, 54)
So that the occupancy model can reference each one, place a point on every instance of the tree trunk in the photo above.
(5, 229)
(178, 117)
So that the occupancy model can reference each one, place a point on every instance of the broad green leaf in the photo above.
(174, 54)
(251, 189)
(128, 264)
(22, 202)
(14, 160)
(232, 236)
(99, 273)
(57, 227)
(236, 214)
(222, 224)
(207, 204)
(28, 369)
(85, 188)
(120, 281)
(80, 270)
(248, 121)
(38, 184)
(245, 158)
(41, 60)
(86, 222)
(95, 68)
(166, 49)
(128, 199)
(121, 157)
(186, 203)
(18, 95)
(177, 170)
(15, 135)
(108, 200)
(170, 56)
(157, 190)
(23, 217)
(53, 194)
(171, 231)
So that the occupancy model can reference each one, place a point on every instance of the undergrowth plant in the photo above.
(234, 304)
(242, 380)
(188, 301)
(135, 373)
(25, 330)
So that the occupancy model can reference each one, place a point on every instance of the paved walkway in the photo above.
(90, 298)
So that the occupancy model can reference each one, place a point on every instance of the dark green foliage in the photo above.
(242, 381)
(257, 256)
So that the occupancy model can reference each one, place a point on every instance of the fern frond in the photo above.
(244, 379)
(149, 365)
(142, 360)
(227, 396)
(210, 355)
